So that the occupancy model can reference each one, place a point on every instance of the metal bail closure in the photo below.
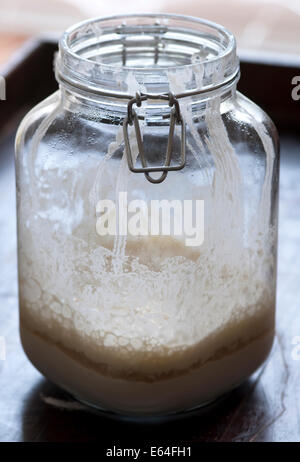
(175, 119)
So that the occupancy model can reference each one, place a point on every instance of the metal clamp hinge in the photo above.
(175, 119)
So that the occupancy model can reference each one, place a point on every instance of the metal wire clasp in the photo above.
(175, 119)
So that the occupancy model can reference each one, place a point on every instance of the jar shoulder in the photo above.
(43, 111)
(243, 119)
(246, 112)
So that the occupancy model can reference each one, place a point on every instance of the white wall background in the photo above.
(259, 25)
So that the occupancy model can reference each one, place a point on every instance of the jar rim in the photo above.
(79, 40)
(64, 42)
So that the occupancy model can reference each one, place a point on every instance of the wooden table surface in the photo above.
(266, 408)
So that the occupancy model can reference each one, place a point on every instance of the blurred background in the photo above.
(266, 27)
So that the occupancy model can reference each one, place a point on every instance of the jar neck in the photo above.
(111, 108)
(109, 60)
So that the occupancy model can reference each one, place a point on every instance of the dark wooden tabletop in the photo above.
(266, 408)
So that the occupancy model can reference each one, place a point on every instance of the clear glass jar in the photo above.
(139, 318)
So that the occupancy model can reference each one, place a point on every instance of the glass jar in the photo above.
(147, 218)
